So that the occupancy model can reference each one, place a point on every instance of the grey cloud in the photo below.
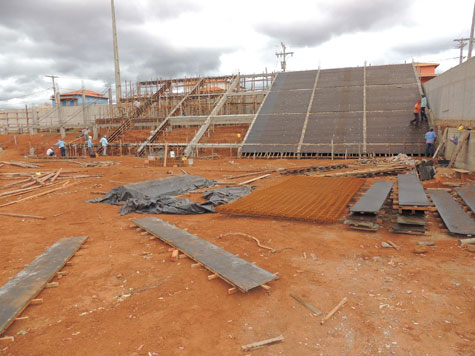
(428, 46)
(74, 39)
(337, 19)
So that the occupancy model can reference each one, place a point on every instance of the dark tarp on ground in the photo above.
(156, 196)
(226, 195)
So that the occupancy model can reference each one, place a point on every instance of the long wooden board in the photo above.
(373, 199)
(411, 192)
(17, 293)
(454, 217)
(467, 193)
(234, 270)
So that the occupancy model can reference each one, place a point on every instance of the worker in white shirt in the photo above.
(50, 152)
(104, 144)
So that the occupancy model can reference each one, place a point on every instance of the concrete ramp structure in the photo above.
(345, 111)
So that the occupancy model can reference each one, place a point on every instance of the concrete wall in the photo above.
(48, 118)
(452, 94)
(466, 157)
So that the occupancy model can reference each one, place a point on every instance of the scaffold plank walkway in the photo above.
(18, 292)
(410, 191)
(467, 193)
(374, 198)
(234, 270)
(455, 219)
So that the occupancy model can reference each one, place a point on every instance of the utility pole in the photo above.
(283, 54)
(54, 86)
(462, 42)
(118, 90)
(470, 42)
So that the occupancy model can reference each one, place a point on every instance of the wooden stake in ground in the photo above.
(334, 310)
(314, 310)
(259, 344)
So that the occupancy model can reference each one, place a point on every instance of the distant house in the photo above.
(74, 98)
(426, 71)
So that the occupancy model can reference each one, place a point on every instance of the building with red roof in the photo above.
(74, 98)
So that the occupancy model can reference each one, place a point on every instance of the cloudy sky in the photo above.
(173, 38)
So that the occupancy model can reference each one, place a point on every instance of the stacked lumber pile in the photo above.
(381, 170)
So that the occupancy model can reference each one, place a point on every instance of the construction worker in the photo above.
(89, 147)
(104, 144)
(62, 148)
(50, 152)
(423, 108)
(85, 133)
(417, 110)
(430, 141)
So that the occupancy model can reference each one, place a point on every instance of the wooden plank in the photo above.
(253, 179)
(467, 193)
(19, 291)
(334, 310)
(454, 217)
(314, 310)
(23, 216)
(36, 195)
(374, 198)
(457, 151)
(236, 271)
(259, 344)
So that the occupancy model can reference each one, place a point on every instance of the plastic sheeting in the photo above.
(226, 195)
(157, 196)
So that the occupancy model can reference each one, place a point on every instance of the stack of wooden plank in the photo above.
(366, 213)
(411, 203)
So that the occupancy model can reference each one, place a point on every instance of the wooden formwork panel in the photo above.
(19, 291)
(231, 268)
(318, 199)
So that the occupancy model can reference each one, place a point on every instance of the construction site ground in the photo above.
(124, 296)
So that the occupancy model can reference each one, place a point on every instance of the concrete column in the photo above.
(84, 108)
(35, 125)
(60, 117)
(94, 132)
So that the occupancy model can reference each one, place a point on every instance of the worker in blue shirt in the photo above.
(89, 146)
(62, 148)
(430, 140)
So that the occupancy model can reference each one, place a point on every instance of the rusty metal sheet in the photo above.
(318, 199)
(231, 268)
(373, 199)
(16, 294)
(410, 191)
(467, 193)
(455, 218)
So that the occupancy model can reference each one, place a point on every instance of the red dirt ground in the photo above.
(399, 303)
(225, 134)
